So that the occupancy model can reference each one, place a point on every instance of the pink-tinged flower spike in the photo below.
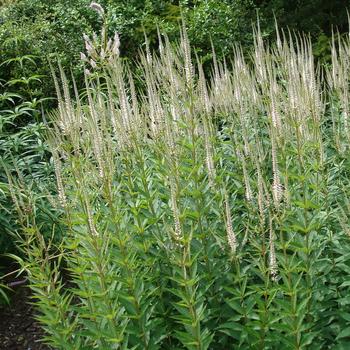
(248, 190)
(175, 210)
(109, 44)
(116, 39)
(272, 257)
(88, 48)
(90, 219)
(86, 37)
(58, 172)
(231, 237)
(83, 56)
(98, 8)
(116, 44)
(277, 188)
(93, 63)
(94, 37)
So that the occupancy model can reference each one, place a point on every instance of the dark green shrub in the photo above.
(25, 156)
(48, 29)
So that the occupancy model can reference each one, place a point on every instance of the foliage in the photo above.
(54, 29)
(200, 213)
(25, 158)
(311, 16)
(42, 29)
(24, 152)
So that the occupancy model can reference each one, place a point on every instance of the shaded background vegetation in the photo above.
(46, 28)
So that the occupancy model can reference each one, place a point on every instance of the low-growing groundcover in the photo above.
(199, 213)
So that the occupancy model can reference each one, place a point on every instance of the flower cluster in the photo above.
(100, 50)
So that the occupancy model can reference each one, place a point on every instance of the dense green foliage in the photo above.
(199, 213)
(49, 28)
(24, 155)
(23, 150)
(178, 200)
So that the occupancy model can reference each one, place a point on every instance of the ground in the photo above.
(18, 328)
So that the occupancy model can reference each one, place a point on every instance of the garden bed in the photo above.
(18, 328)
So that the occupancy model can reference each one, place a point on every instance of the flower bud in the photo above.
(97, 7)
(93, 63)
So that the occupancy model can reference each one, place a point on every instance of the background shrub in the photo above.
(55, 28)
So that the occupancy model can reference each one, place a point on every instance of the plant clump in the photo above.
(201, 211)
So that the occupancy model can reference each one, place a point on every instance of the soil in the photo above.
(18, 328)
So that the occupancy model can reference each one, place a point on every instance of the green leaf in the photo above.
(344, 333)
